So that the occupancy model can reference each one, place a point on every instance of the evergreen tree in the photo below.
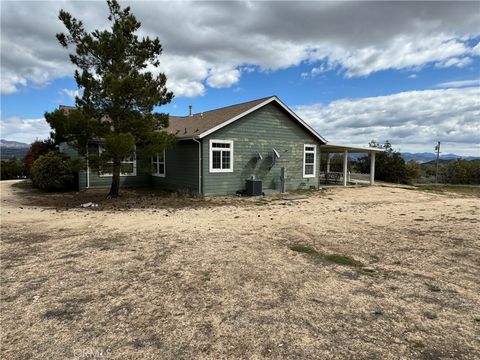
(114, 70)
(389, 164)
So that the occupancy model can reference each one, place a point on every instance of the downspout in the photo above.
(199, 165)
(88, 171)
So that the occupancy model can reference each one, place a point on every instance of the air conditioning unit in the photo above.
(254, 187)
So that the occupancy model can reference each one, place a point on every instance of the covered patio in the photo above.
(329, 149)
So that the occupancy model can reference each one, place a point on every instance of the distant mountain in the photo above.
(13, 144)
(9, 149)
(446, 161)
(427, 157)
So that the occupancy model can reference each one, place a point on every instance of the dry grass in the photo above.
(223, 282)
(129, 199)
(462, 190)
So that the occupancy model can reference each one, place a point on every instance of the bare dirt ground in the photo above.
(156, 277)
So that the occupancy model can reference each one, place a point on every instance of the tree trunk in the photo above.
(115, 187)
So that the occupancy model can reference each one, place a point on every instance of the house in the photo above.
(219, 150)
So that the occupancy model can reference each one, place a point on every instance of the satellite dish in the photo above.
(275, 152)
(259, 155)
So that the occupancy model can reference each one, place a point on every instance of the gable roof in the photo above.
(197, 124)
(200, 125)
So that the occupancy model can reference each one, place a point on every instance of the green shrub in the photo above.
(304, 249)
(389, 165)
(52, 172)
(342, 260)
(37, 149)
(11, 169)
(461, 172)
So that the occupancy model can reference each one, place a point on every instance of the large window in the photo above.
(158, 165)
(129, 165)
(221, 156)
(309, 160)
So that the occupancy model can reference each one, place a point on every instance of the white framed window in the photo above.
(221, 156)
(129, 165)
(158, 164)
(309, 160)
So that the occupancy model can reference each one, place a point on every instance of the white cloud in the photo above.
(476, 50)
(248, 69)
(223, 78)
(185, 74)
(24, 130)
(187, 88)
(403, 53)
(206, 45)
(72, 93)
(459, 84)
(11, 83)
(411, 120)
(455, 61)
(324, 67)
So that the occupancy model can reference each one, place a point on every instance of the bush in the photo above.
(37, 149)
(413, 170)
(11, 169)
(389, 167)
(461, 172)
(52, 172)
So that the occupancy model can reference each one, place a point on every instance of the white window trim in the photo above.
(314, 152)
(134, 162)
(212, 170)
(157, 173)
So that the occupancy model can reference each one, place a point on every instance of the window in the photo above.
(221, 156)
(129, 165)
(309, 160)
(158, 165)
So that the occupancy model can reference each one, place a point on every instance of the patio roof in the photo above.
(336, 148)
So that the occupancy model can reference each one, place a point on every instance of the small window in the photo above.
(221, 156)
(129, 165)
(158, 165)
(309, 160)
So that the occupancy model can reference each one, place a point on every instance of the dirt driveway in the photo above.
(219, 280)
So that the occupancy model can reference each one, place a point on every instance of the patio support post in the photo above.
(372, 167)
(328, 163)
(345, 167)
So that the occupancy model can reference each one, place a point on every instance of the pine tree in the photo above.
(115, 71)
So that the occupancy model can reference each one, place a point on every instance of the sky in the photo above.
(407, 72)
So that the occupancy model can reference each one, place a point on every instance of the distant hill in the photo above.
(13, 144)
(9, 149)
(446, 161)
(427, 157)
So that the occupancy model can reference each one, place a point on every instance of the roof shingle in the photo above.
(188, 127)
(191, 126)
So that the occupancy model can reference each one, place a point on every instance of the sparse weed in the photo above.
(430, 315)
(304, 249)
(67, 313)
(334, 258)
(342, 260)
(433, 287)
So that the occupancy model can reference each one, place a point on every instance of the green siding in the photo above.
(68, 150)
(267, 128)
(96, 181)
(181, 168)
(261, 131)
